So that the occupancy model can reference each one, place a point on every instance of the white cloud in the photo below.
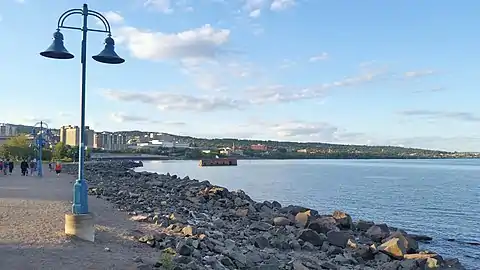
(419, 73)
(216, 75)
(436, 115)
(121, 117)
(320, 57)
(285, 93)
(287, 63)
(164, 6)
(64, 114)
(35, 119)
(255, 13)
(204, 42)
(176, 102)
(282, 4)
(256, 95)
(290, 130)
(251, 5)
(113, 17)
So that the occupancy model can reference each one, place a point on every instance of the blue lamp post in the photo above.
(40, 140)
(108, 56)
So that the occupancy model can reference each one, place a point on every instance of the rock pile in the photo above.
(202, 226)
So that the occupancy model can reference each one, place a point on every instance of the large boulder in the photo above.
(281, 221)
(302, 219)
(339, 238)
(395, 247)
(344, 220)
(410, 244)
(378, 232)
(312, 237)
(363, 225)
(323, 224)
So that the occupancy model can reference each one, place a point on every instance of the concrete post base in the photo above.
(81, 226)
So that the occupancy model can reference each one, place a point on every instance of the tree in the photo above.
(60, 151)
(18, 147)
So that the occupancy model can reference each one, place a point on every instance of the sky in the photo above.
(358, 72)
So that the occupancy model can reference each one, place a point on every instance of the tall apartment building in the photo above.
(110, 141)
(7, 130)
(70, 135)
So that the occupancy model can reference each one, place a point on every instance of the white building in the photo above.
(7, 130)
(164, 144)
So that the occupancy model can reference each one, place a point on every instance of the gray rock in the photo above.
(260, 226)
(378, 232)
(312, 237)
(363, 225)
(323, 224)
(183, 249)
(338, 239)
(261, 242)
(281, 221)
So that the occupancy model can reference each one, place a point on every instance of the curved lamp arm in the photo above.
(98, 15)
(102, 18)
(67, 14)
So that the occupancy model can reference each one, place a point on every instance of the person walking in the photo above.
(33, 164)
(58, 168)
(1, 165)
(24, 168)
(10, 167)
(5, 166)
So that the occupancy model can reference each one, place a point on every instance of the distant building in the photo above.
(258, 147)
(8, 130)
(70, 135)
(164, 144)
(161, 137)
(110, 141)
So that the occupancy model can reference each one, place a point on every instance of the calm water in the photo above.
(440, 198)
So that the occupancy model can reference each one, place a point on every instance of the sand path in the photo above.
(32, 236)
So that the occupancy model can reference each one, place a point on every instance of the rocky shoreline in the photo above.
(203, 226)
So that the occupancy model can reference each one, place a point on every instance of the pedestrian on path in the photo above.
(5, 166)
(10, 167)
(58, 168)
(33, 164)
(24, 168)
(1, 165)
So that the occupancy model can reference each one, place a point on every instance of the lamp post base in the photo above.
(80, 197)
(81, 226)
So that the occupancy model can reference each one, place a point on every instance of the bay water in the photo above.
(438, 198)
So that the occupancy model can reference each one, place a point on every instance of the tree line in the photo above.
(21, 147)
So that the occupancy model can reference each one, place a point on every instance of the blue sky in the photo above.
(366, 72)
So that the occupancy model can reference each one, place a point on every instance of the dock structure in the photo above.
(218, 162)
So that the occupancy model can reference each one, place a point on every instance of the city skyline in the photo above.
(371, 73)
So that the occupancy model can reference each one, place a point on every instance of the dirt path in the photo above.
(32, 222)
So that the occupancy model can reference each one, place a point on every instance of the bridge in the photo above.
(113, 156)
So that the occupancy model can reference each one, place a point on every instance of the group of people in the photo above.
(6, 166)
(27, 168)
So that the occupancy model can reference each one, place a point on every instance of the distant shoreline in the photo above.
(150, 158)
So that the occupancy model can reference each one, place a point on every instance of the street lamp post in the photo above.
(40, 140)
(108, 56)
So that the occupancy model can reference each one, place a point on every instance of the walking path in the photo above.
(32, 220)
